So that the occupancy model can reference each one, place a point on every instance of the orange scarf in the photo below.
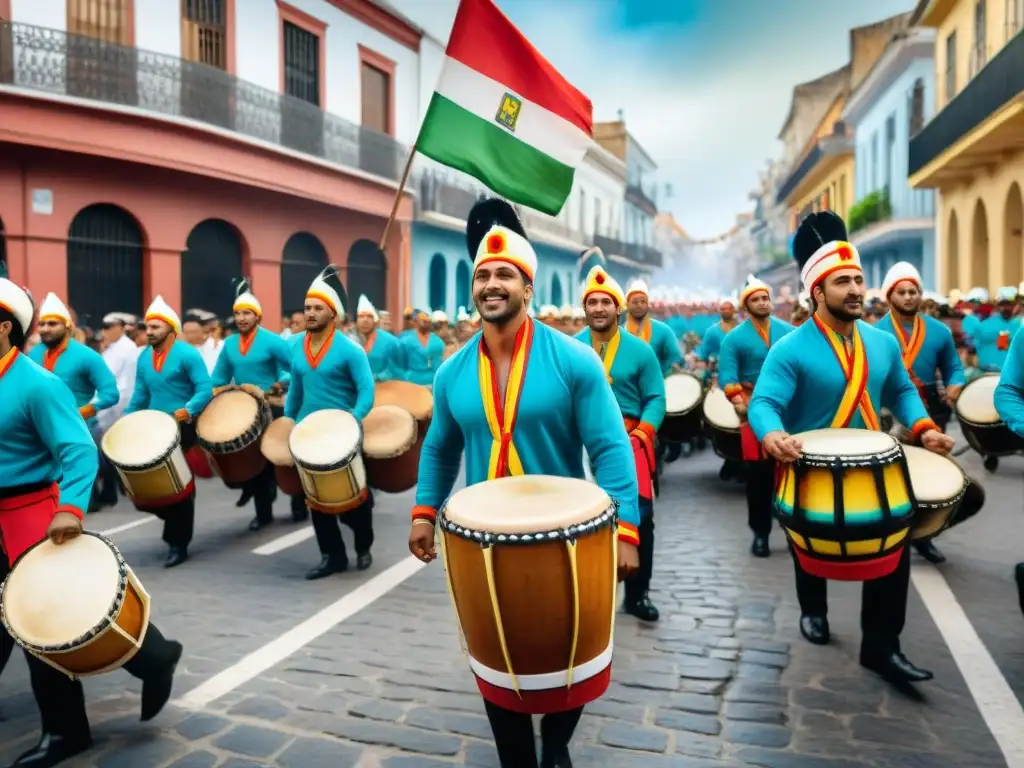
(910, 347)
(855, 368)
(641, 329)
(501, 416)
(765, 333)
(51, 356)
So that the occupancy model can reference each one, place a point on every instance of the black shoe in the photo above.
(364, 561)
(559, 760)
(1019, 577)
(300, 513)
(815, 629)
(108, 499)
(258, 523)
(929, 552)
(245, 498)
(672, 452)
(725, 473)
(894, 667)
(330, 564)
(643, 609)
(760, 547)
(157, 690)
(175, 557)
(991, 463)
(51, 750)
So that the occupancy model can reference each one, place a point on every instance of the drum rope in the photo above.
(451, 596)
(570, 546)
(499, 625)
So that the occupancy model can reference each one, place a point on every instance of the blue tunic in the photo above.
(384, 355)
(181, 382)
(421, 357)
(636, 378)
(662, 340)
(264, 362)
(986, 341)
(743, 353)
(711, 342)
(85, 372)
(565, 405)
(1010, 392)
(937, 353)
(45, 439)
(338, 378)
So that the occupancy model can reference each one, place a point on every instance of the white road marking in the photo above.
(283, 542)
(128, 526)
(279, 649)
(999, 707)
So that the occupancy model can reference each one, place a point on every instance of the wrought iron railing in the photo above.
(539, 222)
(52, 61)
(644, 254)
(798, 174)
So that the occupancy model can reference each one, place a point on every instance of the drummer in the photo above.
(803, 386)
(172, 378)
(329, 370)
(635, 373)
(422, 351)
(564, 405)
(258, 361)
(49, 462)
(1010, 406)
(640, 323)
(380, 346)
(739, 365)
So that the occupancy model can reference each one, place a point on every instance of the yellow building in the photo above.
(972, 150)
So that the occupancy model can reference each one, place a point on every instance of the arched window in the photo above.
(463, 285)
(438, 280)
(917, 107)
(105, 257)
(304, 257)
(210, 264)
(367, 274)
(556, 290)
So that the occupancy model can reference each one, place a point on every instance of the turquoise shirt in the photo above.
(938, 351)
(802, 384)
(181, 382)
(385, 356)
(420, 360)
(565, 405)
(339, 379)
(711, 342)
(267, 361)
(637, 381)
(45, 439)
(1010, 392)
(986, 341)
(744, 351)
(664, 343)
(85, 372)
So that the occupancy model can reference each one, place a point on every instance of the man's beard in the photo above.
(910, 311)
(513, 306)
(638, 315)
(601, 325)
(840, 312)
(54, 341)
(760, 315)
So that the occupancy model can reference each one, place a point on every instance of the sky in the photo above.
(704, 85)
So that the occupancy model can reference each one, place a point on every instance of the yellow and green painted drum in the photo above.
(846, 504)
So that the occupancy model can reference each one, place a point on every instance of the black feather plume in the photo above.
(816, 230)
(241, 286)
(487, 213)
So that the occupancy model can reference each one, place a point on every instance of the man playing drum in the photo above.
(1010, 406)
(739, 365)
(422, 350)
(329, 370)
(258, 360)
(380, 346)
(547, 391)
(50, 464)
(172, 378)
(710, 349)
(833, 372)
(636, 375)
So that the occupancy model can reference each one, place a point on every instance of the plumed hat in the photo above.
(494, 232)
(820, 248)
(753, 286)
(599, 281)
(326, 287)
(244, 299)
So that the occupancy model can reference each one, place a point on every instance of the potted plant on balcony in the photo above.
(869, 209)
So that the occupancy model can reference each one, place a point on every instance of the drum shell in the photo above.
(168, 482)
(933, 517)
(239, 460)
(288, 480)
(334, 491)
(680, 427)
(991, 439)
(726, 443)
(397, 474)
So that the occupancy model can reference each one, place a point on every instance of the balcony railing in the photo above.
(637, 195)
(538, 222)
(442, 196)
(798, 174)
(644, 254)
(996, 84)
(51, 61)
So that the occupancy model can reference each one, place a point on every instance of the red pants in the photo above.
(25, 519)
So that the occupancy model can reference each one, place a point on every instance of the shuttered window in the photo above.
(108, 20)
(376, 88)
(301, 64)
(204, 32)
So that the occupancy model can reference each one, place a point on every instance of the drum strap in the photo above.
(501, 416)
(853, 360)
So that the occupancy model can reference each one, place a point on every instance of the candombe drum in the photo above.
(274, 447)
(723, 425)
(229, 429)
(417, 400)
(939, 485)
(327, 448)
(983, 427)
(76, 606)
(683, 395)
(145, 449)
(531, 568)
(391, 449)
(846, 504)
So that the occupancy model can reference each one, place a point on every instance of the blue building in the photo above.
(889, 220)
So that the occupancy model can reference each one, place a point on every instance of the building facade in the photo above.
(972, 149)
(891, 221)
(164, 147)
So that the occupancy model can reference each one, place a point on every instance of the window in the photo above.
(376, 78)
(979, 53)
(597, 216)
(204, 32)
(107, 20)
(1014, 17)
(917, 107)
(890, 150)
(301, 64)
(951, 66)
(874, 162)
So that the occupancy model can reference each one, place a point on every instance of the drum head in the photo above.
(57, 594)
(526, 504)
(388, 431)
(325, 438)
(229, 415)
(845, 442)
(934, 478)
(682, 392)
(140, 439)
(719, 412)
(415, 399)
(274, 445)
(977, 401)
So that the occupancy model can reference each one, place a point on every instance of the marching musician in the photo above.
(710, 347)
(50, 462)
(422, 350)
(258, 361)
(380, 346)
(740, 361)
(171, 377)
(524, 399)
(1010, 406)
(329, 370)
(833, 372)
(635, 373)
(640, 323)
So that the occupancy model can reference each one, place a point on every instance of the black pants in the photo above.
(263, 488)
(883, 607)
(179, 522)
(638, 585)
(514, 738)
(760, 480)
(328, 531)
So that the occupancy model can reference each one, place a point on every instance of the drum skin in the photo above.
(983, 428)
(274, 447)
(229, 430)
(391, 449)
(145, 448)
(723, 425)
(939, 485)
(684, 394)
(326, 447)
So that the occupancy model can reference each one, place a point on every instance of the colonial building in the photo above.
(972, 150)
(167, 146)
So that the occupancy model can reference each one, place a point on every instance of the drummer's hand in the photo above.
(740, 405)
(782, 447)
(937, 442)
(182, 415)
(253, 390)
(629, 559)
(421, 541)
(64, 527)
(952, 393)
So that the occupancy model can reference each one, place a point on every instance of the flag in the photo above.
(503, 114)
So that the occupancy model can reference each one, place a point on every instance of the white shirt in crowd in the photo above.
(122, 358)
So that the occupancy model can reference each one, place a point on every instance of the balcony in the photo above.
(636, 195)
(438, 195)
(53, 62)
(819, 159)
(979, 127)
(642, 254)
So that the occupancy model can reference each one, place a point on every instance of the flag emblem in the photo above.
(508, 112)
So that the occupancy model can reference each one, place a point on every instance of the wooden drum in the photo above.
(684, 393)
(326, 446)
(391, 449)
(531, 567)
(274, 447)
(77, 606)
(939, 485)
(415, 399)
(983, 427)
(723, 425)
(145, 448)
(229, 429)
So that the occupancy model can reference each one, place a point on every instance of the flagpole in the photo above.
(398, 197)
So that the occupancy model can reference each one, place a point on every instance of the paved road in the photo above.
(722, 680)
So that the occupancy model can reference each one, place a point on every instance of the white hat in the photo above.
(548, 310)
(320, 290)
(115, 317)
(579, 313)
(18, 302)
(502, 244)
(637, 286)
(244, 299)
(462, 316)
(1007, 293)
(365, 307)
(978, 294)
(439, 316)
(898, 272)
(161, 310)
(565, 311)
(53, 308)
(753, 286)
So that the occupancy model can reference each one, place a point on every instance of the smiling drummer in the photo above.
(525, 400)
(329, 370)
(739, 365)
(632, 368)
(50, 463)
(258, 361)
(834, 372)
(171, 378)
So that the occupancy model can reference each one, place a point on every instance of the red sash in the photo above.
(643, 457)
(25, 519)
